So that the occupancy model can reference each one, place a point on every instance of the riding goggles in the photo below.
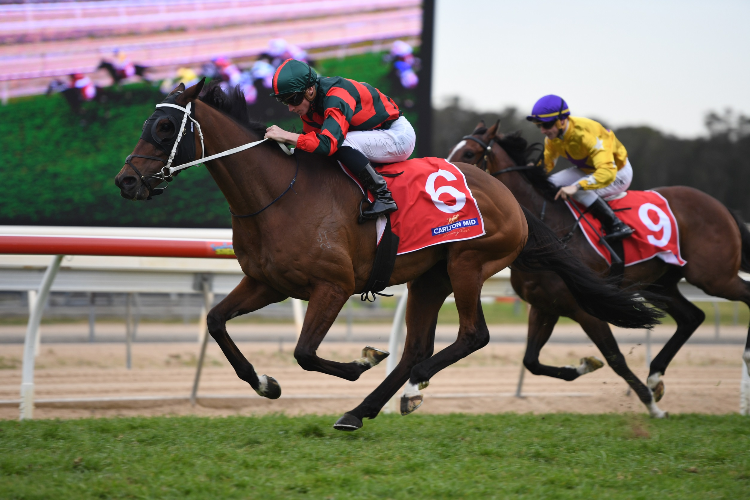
(546, 125)
(294, 99)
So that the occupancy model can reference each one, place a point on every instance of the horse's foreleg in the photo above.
(426, 295)
(326, 302)
(541, 325)
(248, 296)
(600, 333)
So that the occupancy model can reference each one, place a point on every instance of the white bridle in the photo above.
(168, 170)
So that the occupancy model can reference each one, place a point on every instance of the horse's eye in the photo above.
(165, 127)
(468, 154)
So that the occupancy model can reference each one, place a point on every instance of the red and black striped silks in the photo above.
(340, 106)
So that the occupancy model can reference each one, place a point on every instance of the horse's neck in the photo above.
(250, 179)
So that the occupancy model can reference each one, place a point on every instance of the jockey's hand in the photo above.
(566, 191)
(278, 134)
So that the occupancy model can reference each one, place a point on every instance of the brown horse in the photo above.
(714, 241)
(298, 236)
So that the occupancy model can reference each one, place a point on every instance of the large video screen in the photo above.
(78, 79)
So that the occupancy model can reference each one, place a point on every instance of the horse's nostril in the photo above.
(128, 182)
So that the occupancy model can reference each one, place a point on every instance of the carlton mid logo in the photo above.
(449, 190)
(452, 219)
(451, 226)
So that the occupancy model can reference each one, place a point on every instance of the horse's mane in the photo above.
(518, 150)
(233, 104)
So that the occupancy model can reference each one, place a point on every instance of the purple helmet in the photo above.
(549, 108)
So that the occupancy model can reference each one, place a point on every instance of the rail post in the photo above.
(206, 287)
(394, 342)
(519, 387)
(745, 390)
(299, 315)
(32, 330)
(128, 332)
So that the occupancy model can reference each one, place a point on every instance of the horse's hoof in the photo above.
(268, 387)
(655, 411)
(374, 355)
(593, 363)
(410, 404)
(348, 423)
(658, 391)
(424, 385)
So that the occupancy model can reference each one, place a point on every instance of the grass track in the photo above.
(422, 456)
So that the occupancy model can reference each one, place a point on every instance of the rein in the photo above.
(294, 179)
(487, 146)
(484, 159)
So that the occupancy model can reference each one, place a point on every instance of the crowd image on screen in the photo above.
(254, 79)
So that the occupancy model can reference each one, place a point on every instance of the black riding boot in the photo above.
(375, 184)
(360, 166)
(614, 228)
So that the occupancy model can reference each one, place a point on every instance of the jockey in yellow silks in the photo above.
(601, 170)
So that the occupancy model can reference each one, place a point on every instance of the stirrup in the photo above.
(623, 231)
(373, 214)
(365, 215)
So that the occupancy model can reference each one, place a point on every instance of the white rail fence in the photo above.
(201, 276)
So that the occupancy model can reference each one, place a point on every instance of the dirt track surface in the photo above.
(702, 379)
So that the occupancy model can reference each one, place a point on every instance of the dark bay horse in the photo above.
(714, 241)
(297, 235)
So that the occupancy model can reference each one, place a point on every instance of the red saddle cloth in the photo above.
(655, 230)
(435, 205)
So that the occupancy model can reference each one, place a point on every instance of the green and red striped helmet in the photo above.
(293, 76)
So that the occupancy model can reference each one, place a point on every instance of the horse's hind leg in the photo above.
(426, 294)
(473, 333)
(600, 333)
(541, 325)
(326, 301)
(248, 296)
(688, 318)
(735, 289)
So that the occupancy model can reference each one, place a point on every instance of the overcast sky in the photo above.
(663, 63)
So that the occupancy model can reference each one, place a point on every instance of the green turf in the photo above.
(420, 456)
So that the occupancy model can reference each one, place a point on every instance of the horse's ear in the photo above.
(479, 125)
(492, 132)
(177, 89)
(197, 87)
(191, 93)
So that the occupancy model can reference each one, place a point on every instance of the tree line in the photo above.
(717, 164)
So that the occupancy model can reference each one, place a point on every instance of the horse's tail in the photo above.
(544, 252)
(745, 236)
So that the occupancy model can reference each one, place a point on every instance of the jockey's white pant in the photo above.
(588, 197)
(384, 146)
